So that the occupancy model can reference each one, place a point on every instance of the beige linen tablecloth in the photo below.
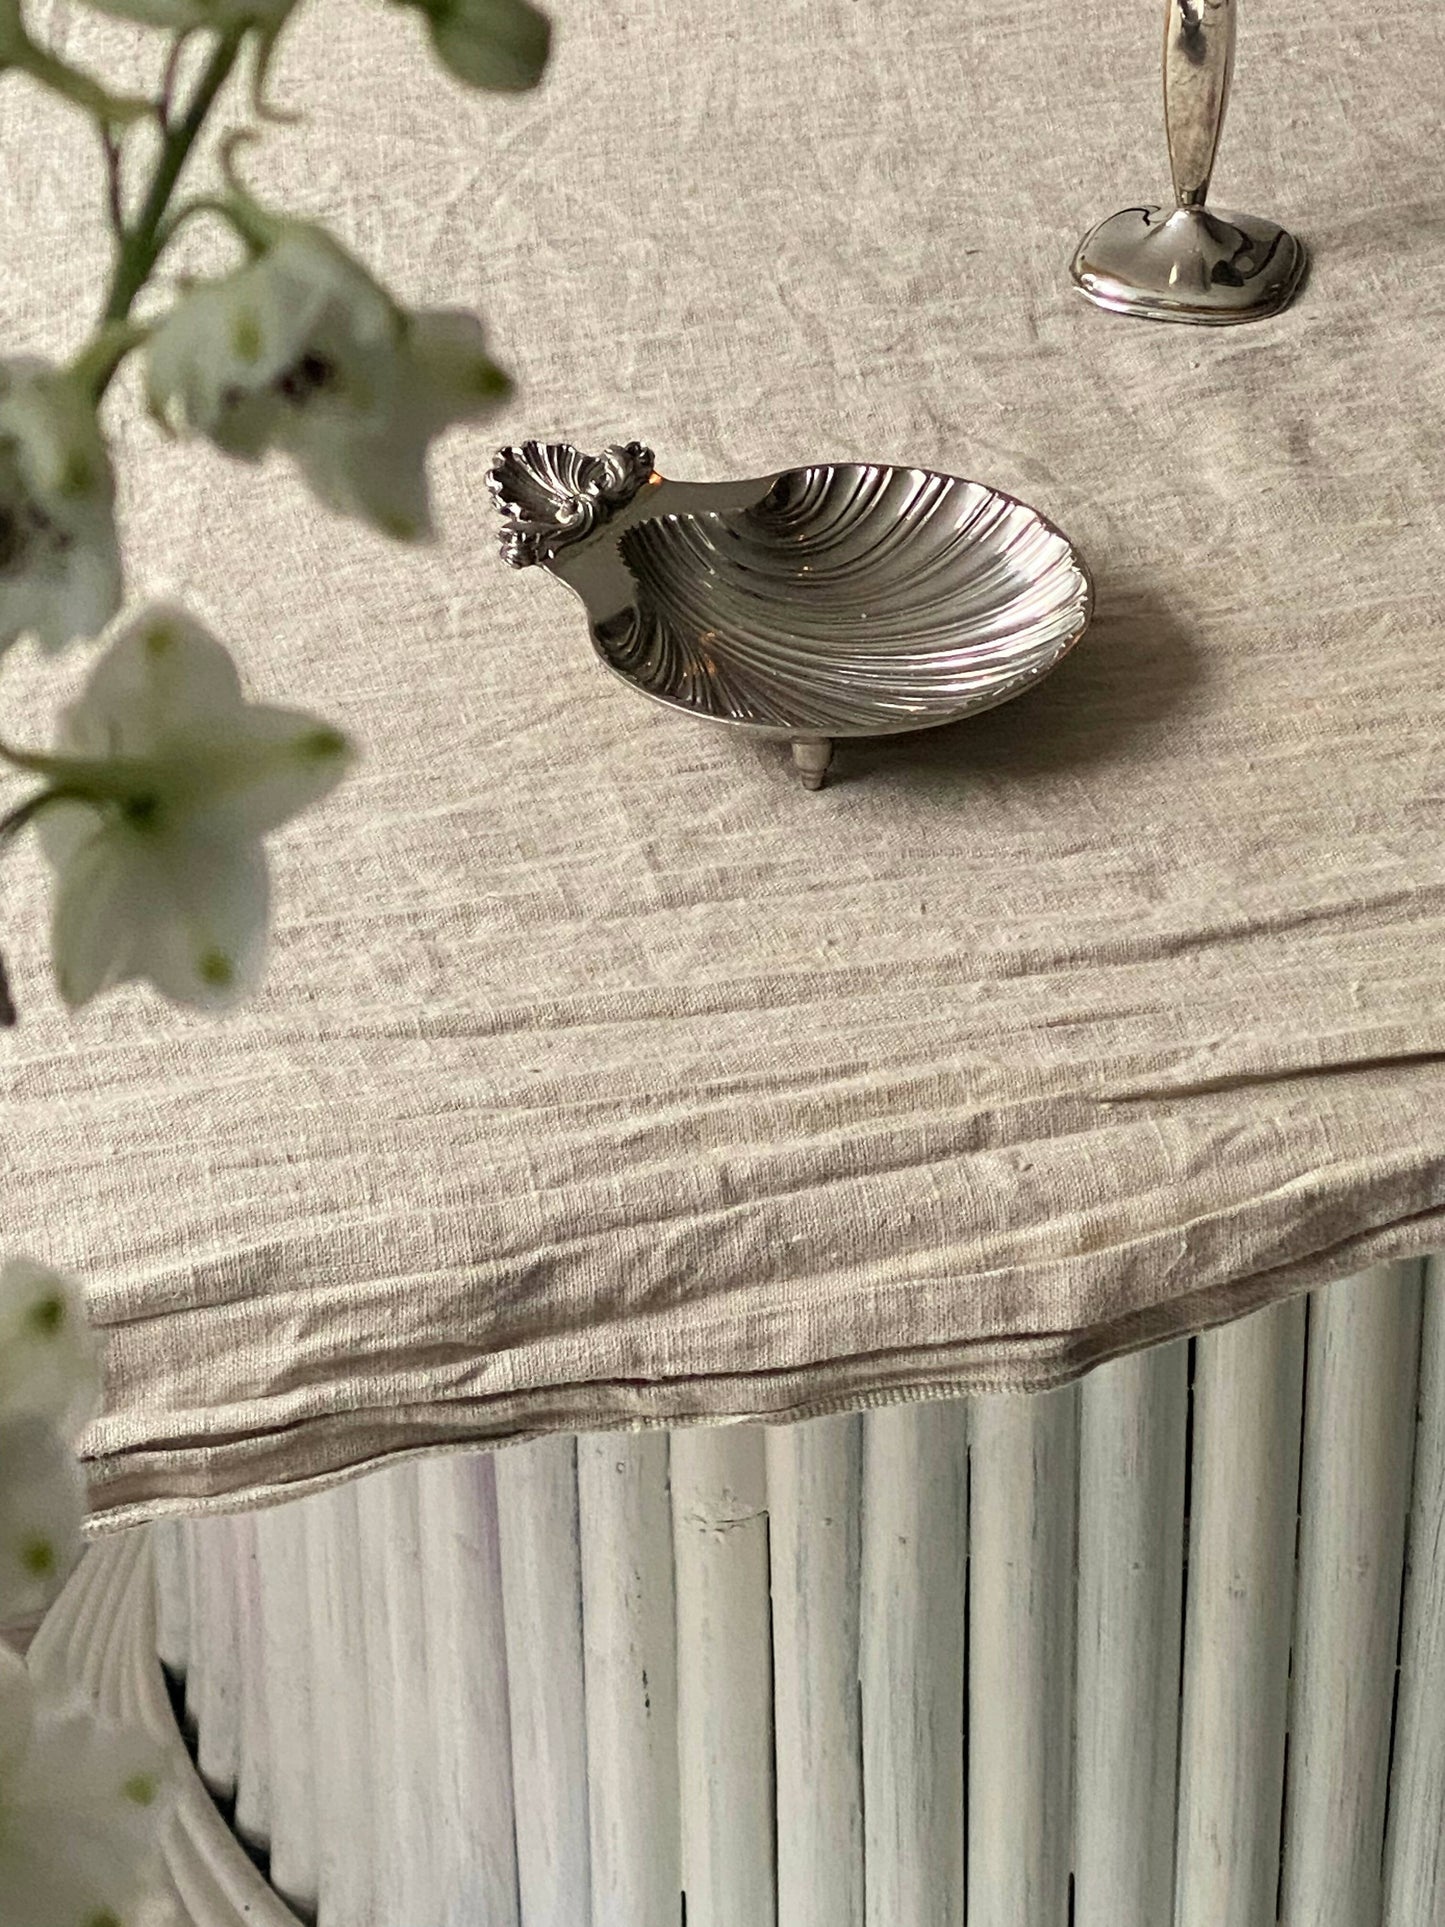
(604, 1076)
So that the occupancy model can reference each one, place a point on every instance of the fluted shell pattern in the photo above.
(853, 599)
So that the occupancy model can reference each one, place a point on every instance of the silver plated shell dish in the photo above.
(842, 599)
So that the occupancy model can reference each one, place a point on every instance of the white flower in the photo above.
(49, 1356)
(60, 574)
(498, 44)
(42, 1509)
(302, 352)
(81, 1802)
(166, 781)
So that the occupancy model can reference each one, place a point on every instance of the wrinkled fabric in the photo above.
(603, 1076)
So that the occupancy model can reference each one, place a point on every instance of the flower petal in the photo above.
(163, 674)
(79, 1813)
(61, 572)
(455, 378)
(184, 910)
(49, 1356)
(50, 419)
(101, 901)
(17, 1711)
(85, 593)
(278, 762)
(376, 478)
(202, 934)
(42, 1508)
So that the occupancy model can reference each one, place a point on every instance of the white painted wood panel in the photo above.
(170, 1540)
(724, 1683)
(350, 1826)
(541, 1561)
(412, 1880)
(814, 1496)
(213, 1687)
(291, 1685)
(1415, 1840)
(466, 1646)
(1023, 1497)
(1360, 1391)
(913, 1591)
(1132, 1422)
(394, 1870)
(420, 1652)
(629, 1631)
(253, 1740)
(1238, 1614)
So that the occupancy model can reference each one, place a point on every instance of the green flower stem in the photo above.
(140, 249)
(104, 352)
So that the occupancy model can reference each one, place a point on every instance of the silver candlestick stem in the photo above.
(1192, 263)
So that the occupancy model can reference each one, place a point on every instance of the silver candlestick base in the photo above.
(1194, 263)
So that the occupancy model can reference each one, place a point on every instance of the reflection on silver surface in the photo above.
(836, 600)
(1192, 263)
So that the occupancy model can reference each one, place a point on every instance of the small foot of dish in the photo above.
(812, 754)
(1191, 265)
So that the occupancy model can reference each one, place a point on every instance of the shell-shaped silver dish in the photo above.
(837, 600)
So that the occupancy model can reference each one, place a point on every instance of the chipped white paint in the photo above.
(411, 1881)
(1415, 1842)
(1238, 1610)
(630, 1662)
(914, 1542)
(291, 1689)
(471, 1721)
(814, 1487)
(348, 1821)
(542, 1599)
(1132, 1418)
(170, 1552)
(1362, 1377)
(254, 1752)
(724, 1675)
(1023, 1468)
(213, 1683)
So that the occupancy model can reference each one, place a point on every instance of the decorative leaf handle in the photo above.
(1198, 61)
(552, 495)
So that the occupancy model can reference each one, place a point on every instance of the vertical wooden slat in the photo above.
(1023, 1504)
(1415, 1836)
(253, 1752)
(1363, 1370)
(172, 1567)
(724, 1684)
(412, 1880)
(394, 1859)
(814, 1497)
(1248, 1381)
(911, 1662)
(542, 1596)
(349, 1843)
(213, 1700)
(630, 1659)
(291, 1683)
(1132, 1422)
(467, 1654)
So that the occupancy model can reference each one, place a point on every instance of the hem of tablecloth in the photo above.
(139, 1484)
